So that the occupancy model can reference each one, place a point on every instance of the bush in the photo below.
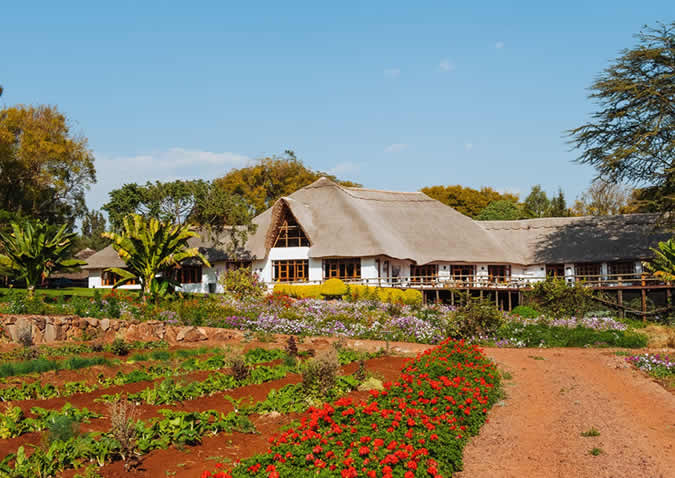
(333, 288)
(119, 347)
(243, 284)
(412, 297)
(240, 370)
(477, 317)
(319, 375)
(123, 418)
(61, 428)
(535, 335)
(557, 298)
(526, 312)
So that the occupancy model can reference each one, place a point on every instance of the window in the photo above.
(555, 271)
(109, 278)
(290, 233)
(187, 274)
(344, 269)
(621, 269)
(462, 272)
(587, 271)
(291, 270)
(424, 274)
(499, 273)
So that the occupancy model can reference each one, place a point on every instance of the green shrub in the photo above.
(243, 284)
(477, 317)
(319, 375)
(119, 347)
(333, 288)
(61, 428)
(535, 335)
(526, 312)
(557, 298)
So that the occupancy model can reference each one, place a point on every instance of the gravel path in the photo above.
(555, 395)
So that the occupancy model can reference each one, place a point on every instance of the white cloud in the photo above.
(468, 146)
(392, 72)
(113, 171)
(499, 45)
(446, 65)
(395, 148)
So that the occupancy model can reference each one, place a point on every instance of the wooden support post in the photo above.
(452, 297)
(510, 302)
(520, 297)
(438, 299)
(619, 300)
(644, 300)
(481, 294)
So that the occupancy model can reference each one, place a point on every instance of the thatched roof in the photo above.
(355, 222)
(578, 239)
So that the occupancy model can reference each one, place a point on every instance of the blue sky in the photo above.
(394, 95)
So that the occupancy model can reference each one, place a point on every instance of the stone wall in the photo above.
(49, 329)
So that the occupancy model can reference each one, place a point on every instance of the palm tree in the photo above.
(149, 248)
(663, 264)
(32, 252)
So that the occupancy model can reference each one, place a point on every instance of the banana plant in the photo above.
(151, 249)
(663, 264)
(32, 251)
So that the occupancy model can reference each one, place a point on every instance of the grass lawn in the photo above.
(68, 292)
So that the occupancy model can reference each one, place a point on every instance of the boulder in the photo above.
(191, 334)
(53, 333)
(104, 324)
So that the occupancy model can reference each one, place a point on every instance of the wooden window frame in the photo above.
(290, 270)
(109, 278)
(588, 271)
(187, 274)
(624, 269)
(499, 273)
(348, 268)
(290, 234)
(424, 274)
(555, 271)
(463, 272)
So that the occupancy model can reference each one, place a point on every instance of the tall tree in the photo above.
(91, 231)
(45, 170)
(632, 137)
(537, 203)
(271, 178)
(559, 205)
(33, 251)
(468, 201)
(603, 199)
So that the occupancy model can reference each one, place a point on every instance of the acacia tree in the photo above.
(150, 250)
(32, 251)
(632, 137)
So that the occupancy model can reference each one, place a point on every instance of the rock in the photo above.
(93, 322)
(191, 334)
(82, 323)
(53, 333)
(39, 322)
(104, 324)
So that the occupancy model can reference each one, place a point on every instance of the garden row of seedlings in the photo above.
(130, 438)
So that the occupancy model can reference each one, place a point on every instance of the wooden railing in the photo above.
(606, 281)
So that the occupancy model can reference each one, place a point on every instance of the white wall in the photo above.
(95, 281)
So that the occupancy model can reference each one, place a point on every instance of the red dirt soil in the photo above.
(536, 430)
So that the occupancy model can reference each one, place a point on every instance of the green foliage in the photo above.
(33, 251)
(557, 298)
(526, 312)
(663, 264)
(151, 248)
(119, 347)
(333, 288)
(542, 335)
(501, 211)
(537, 204)
(319, 374)
(477, 317)
(270, 179)
(591, 432)
(40, 365)
(465, 200)
(45, 169)
(630, 137)
(243, 284)
(61, 428)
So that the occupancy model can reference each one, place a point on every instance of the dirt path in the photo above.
(554, 396)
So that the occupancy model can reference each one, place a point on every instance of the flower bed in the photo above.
(418, 426)
(657, 365)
